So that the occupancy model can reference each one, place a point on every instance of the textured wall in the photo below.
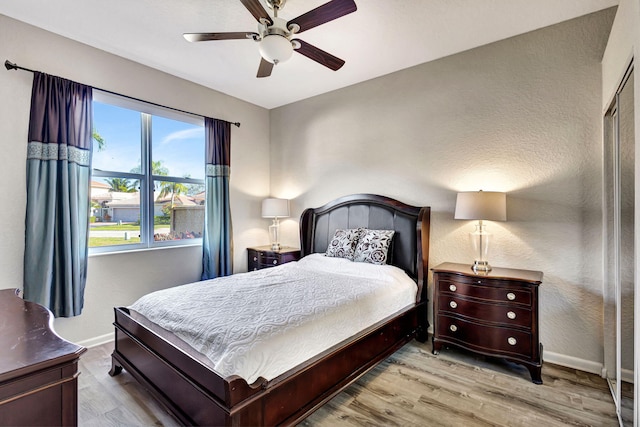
(521, 115)
(120, 279)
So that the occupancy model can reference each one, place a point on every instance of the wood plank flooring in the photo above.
(411, 388)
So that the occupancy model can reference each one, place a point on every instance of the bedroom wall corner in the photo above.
(119, 279)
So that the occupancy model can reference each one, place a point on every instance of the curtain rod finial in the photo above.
(237, 124)
(10, 65)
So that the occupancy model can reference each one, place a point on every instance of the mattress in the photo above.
(263, 323)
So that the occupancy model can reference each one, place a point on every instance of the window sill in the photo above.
(131, 251)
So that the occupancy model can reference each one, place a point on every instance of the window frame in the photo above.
(145, 178)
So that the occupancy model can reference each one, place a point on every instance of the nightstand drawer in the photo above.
(289, 256)
(485, 289)
(484, 338)
(254, 260)
(502, 314)
(269, 260)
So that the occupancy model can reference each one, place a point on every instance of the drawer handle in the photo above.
(255, 258)
(511, 315)
(453, 328)
(275, 262)
(452, 288)
(512, 341)
(511, 296)
(453, 304)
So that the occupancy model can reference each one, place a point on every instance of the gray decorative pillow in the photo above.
(343, 244)
(373, 246)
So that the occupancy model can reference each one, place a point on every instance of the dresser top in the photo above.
(27, 340)
(496, 272)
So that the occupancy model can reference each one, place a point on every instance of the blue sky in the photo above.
(179, 145)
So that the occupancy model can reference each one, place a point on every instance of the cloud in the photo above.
(181, 135)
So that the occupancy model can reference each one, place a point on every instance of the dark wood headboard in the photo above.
(410, 248)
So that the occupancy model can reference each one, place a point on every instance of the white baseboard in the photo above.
(96, 341)
(574, 363)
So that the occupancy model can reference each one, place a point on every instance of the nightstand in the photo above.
(264, 257)
(494, 313)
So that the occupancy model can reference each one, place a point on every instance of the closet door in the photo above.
(619, 174)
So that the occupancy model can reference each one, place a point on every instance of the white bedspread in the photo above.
(265, 322)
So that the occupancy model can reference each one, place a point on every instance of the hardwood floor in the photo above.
(411, 388)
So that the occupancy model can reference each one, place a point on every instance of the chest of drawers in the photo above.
(264, 257)
(38, 369)
(495, 314)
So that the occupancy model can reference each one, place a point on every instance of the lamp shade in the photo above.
(275, 208)
(275, 48)
(483, 205)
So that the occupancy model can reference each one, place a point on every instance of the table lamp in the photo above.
(275, 208)
(481, 206)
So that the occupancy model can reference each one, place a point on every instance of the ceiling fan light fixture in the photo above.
(276, 48)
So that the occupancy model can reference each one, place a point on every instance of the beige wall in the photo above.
(521, 115)
(120, 279)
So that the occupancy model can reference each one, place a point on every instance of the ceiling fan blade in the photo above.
(264, 70)
(256, 10)
(203, 37)
(319, 55)
(322, 14)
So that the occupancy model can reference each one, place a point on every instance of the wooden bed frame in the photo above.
(183, 380)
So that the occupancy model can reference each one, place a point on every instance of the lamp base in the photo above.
(481, 266)
(274, 235)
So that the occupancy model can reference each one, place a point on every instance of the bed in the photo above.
(183, 379)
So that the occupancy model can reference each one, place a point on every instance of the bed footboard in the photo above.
(190, 390)
(196, 395)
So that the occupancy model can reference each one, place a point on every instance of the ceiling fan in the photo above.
(275, 34)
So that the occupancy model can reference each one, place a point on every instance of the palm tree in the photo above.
(121, 185)
(157, 168)
(98, 138)
(173, 188)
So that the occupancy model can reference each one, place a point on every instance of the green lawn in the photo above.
(95, 242)
(116, 227)
(134, 230)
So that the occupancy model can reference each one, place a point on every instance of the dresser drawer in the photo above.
(510, 315)
(485, 338)
(485, 289)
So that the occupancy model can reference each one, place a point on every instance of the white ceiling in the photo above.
(381, 37)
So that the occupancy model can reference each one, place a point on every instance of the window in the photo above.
(147, 184)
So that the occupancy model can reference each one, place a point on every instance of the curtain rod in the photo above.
(11, 66)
